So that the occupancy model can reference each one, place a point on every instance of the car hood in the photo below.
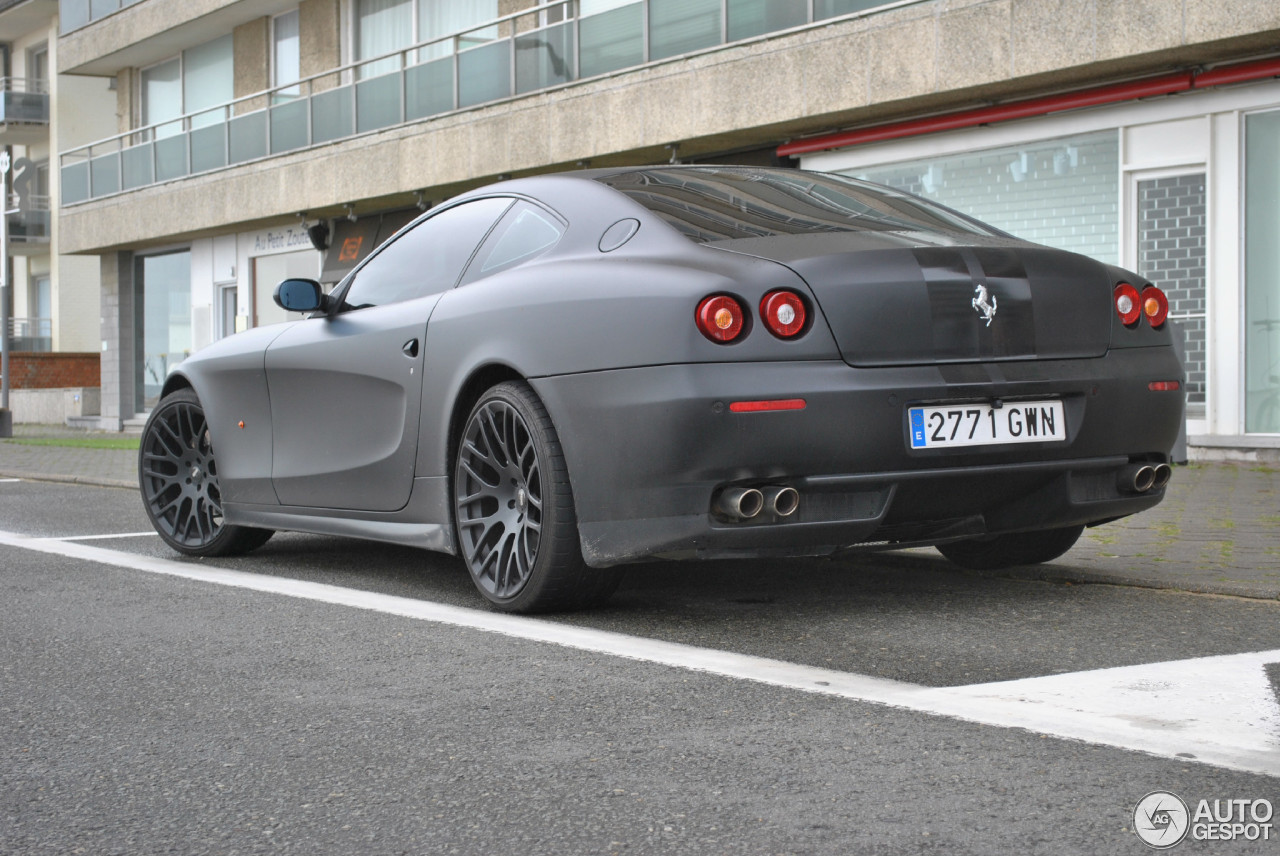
(900, 298)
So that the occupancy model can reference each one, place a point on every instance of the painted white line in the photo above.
(112, 537)
(10, 481)
(1214, 710)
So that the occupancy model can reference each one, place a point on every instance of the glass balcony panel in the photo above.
(104, 175)
(75, 183)
(288, 126)
(249, 136)
(680, 26)
(611, 40)
(331, 117)
(484, 73)
(100, 8)
(73, 14)
(29, 227)
(137, 167)
(209, 148)
(24, 107)
(428, 88)
(171, 158)
(378, 102)
(544, 58)
(830, 8)
(748, 18)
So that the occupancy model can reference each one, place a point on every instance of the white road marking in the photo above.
(10, 481)
(1214, 710)
(151, 534)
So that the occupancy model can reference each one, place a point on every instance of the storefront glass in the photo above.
(1262, 273)
(162, 302)
(1063, 192)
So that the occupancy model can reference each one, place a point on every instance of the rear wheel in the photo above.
(514, 509)
(178, 475)
(1005, 551)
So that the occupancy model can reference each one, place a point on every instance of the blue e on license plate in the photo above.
(983, 425)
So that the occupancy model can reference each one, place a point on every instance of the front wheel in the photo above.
(178, 475)
(513, 504)
(1005, 551)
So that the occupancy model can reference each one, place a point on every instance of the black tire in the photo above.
(1005, 551)
(178, 475)
(513, 506)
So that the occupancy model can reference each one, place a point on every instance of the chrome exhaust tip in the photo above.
(781, 500)
(1164, 472)
(1137, 478)
(740, 503)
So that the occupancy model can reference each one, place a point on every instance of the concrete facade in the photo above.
(920, 58)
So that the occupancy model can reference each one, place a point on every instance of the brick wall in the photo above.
(53, 371)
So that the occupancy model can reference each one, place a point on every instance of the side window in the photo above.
(526, 232)
(428, 259)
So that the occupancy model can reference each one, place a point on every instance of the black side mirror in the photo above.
(300, 295)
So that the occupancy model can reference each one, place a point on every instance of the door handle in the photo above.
(410, 348)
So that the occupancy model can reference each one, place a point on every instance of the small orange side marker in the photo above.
(242, 423)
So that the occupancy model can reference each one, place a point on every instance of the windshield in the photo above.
(719, 204)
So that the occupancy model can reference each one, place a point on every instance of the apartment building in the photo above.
(55, 297)
(258, 139)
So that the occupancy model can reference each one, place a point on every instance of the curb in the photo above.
(61, 479)
(1059, 575)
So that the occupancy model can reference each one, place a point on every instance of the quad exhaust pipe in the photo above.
(745, 503)
(740, 503)
(780, 500)
(1140, 478)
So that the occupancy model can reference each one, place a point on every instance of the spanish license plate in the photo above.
(984, 425)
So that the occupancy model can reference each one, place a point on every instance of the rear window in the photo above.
(718, 204)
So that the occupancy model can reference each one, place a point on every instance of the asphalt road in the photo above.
(143, 712)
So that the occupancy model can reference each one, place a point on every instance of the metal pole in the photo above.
(6, 416)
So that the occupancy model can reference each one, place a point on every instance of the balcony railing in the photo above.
(29, 223)
(74, 14)
(24, 100)
(31, 335)
(499, 59)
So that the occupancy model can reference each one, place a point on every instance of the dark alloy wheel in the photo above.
(178, 475)
(517, 529)
(1006, 551)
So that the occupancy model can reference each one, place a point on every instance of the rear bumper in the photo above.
(648, 449)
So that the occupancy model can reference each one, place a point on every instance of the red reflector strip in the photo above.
(766, 406)
(1164, 386)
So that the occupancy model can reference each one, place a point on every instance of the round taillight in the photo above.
(1128, 304)
(720, 318)
(1155, 306)
(783, 313)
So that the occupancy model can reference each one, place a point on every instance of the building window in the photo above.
(1262, 273)
(38, 69)
(383, 26)
(199, 79)
(286, 55)
(1063, 192)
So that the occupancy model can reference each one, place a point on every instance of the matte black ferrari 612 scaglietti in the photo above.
(557, 375)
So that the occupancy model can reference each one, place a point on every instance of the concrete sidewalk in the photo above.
(1218, 530)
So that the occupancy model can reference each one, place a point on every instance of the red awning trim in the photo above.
(1112, 94)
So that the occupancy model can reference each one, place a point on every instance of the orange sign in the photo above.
(351, 249)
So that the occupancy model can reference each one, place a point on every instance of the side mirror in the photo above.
(300, 295)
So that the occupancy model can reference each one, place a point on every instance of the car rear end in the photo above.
(909, 383)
